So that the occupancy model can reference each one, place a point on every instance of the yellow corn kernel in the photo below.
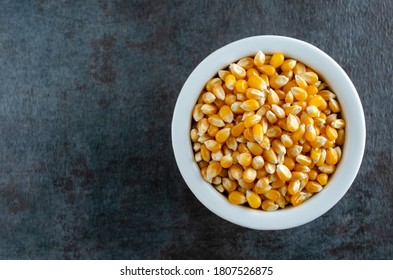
(338, 124)
(340, 137)
(244, 159)
(334, 106)
(250, 105)
(289, 162)
(310, 77)
(226, 114)
(226, 161)
(303, 160)
(194, 135)
(326, 94)
(254, 148)
(257, 132)
(212, 82)
(306, 119)
(237, 71)
(273, 195)
(232, 143)
(293, 187)
(298, 198)
(323, 178)
(213, 170)
(274, 131)
(236, 170)
(312, 90)
(331, 133)
(265, 142)
(270, 167)
(248, 135)
(229, 185)
(218, 91)
(298, 176)
(313, 187)
(244, 185)
(241, 86)
(259, 59)
(208, 109)
(246, 63)
(299, 68)
(252, 72)
(223, 135)
(230, 81)
(288, 74)
(329, 144)
(317, 101)
(286, 140)
(288, 64)
(197, 113)
(310, 133)
(315, 154)
(242, 148)
(278, 111)
(299, 93)
(271, 117)
(301, 168)
(270, 156)
(327, 168)
(277, 59)
(269, 205)
(268, 70)
(217, 156)
(253, 93)
(249, 175)
(320, 141)
(272, 97)
(252, 120)
(312, 175)
(278, 81)
(331, 156)
(289, 97)
(278, 184)
(322, 158)
(237, 197)
(283, 172)
(198, 156)
(292, 124)
(216, 121)
(313, 111)
(212, 145)
(238, 129)
(253, 199)
(257, 82)
(205, 153)
(257, 162)
(279, 147)
(208, 97)
(301, 82)
(202, 126)
(294, 151)
(223, 73)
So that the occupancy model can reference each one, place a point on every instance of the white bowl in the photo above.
(353, 148)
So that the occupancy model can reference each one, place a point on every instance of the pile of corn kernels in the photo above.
(267, 132)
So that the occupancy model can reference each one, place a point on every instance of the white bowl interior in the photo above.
(353, 147)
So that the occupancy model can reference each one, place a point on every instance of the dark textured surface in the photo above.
(86, 99)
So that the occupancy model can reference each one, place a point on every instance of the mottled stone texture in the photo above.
(87, 91)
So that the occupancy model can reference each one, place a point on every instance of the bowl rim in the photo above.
(353, 148)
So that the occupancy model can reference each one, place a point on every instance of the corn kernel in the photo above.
(274, 131)
(244, 159)
(326, 168)
(237, 197)
(288, 64)
(252, 72)
(289, 162)
(331, 156)
(237, 71)
(241, 86)
(278, 81)
(270, 167)
(213, 170)
(252, 120)
(269, 205)
(212, 82)
(257, 82)
(272, 97)
(268, 70)
(338, 124)
(293, 187)
(299, 68)
(283, 172)
(249, 175)
(294, 151)
(322, 179)
(298, 198)
(277, 59)
(250, 105)
(303, 160)
(257, 162)
(223, 135)
(301, 82)
(334, 106)
(259, 59)
(218, 91)
(254, 148)
(253, 199)
(310, 77)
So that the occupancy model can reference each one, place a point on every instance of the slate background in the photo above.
(87, 91)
